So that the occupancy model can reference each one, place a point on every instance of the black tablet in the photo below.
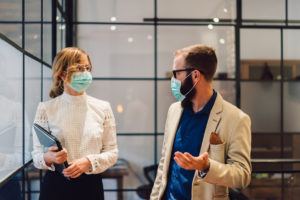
(48, 140)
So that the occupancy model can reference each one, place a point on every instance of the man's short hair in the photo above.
(201, 57)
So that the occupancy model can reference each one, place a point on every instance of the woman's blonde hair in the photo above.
(63, 62)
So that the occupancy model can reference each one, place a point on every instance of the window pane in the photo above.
(32, 99)
(115, 11)
(293, 11)
(47, 43)
(291, 185)
(47, 10)
(264, 186)
(172, 38)
(262, 9)
(292, 149)
(138, 153)
(13, 32)
(291, 51)
(47, 82)
(291, 106)
(33, 39)
(226, 89)
(32, 10)
(132, 103)
(11, 10)
(61, 36)
(127, 51)
(259, 100)
(164, 99)
(260, 54)
(11, 126)
(196, 9)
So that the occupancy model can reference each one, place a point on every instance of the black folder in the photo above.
(48, 140)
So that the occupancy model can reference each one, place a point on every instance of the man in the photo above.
(207, 140)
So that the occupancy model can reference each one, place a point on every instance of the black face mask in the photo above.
(185, 88)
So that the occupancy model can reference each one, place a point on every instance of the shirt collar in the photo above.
(73, 99)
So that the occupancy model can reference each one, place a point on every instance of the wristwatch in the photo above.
(203, 174)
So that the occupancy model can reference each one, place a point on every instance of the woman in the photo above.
(84, 125)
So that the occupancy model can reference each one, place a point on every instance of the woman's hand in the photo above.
(77, 167)
(52, 156)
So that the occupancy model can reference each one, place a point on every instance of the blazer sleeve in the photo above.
(236, 172)
(109, 153)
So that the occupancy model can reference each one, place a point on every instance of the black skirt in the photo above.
(56, 186)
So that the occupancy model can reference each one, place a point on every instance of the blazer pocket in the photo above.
(217, 152)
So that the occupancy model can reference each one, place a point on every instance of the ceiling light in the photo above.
(216, 19)
(210, 26)
(130, 39)
(113, 19)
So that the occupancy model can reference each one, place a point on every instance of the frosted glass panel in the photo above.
(260, 44)
(33, 39)
(138, 152)
(165, 99)
(13, 32)
(293, 10)
(291, 106)
(11, 109)
(172, 38)
(32, 99)
(115, 10)
(132, 103)
(11, 10)
(262, 102)
(127, 51)
(32, 10)
(226, 89)
(47, 43)
(263, 9)
(196, 9)
(47, 82)
(291, 52)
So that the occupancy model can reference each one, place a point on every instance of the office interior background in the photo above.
(131, 44)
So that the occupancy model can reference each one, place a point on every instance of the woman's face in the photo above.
(83, 61)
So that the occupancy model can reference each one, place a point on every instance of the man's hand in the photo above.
(77, 167)
(189, 162)
(52, 156)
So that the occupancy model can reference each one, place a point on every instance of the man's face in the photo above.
(183, 76)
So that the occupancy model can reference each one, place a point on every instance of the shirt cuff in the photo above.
(51, 168)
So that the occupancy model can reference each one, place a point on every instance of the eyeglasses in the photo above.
(82, 68)
(186, 69)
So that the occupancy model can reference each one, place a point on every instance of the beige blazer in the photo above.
(230, 164)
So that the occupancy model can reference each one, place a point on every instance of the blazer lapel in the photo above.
(212, 123)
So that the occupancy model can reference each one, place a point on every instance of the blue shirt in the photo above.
(188, 138)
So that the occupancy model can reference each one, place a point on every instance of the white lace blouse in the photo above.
(84, 125)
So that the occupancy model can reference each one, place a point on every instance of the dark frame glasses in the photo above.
(185, 69)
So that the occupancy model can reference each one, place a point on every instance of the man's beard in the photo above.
(185, 88)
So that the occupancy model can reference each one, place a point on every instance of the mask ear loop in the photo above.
(192, 87)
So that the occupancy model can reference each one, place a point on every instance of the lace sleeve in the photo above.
(38, 149)
(109, 152)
